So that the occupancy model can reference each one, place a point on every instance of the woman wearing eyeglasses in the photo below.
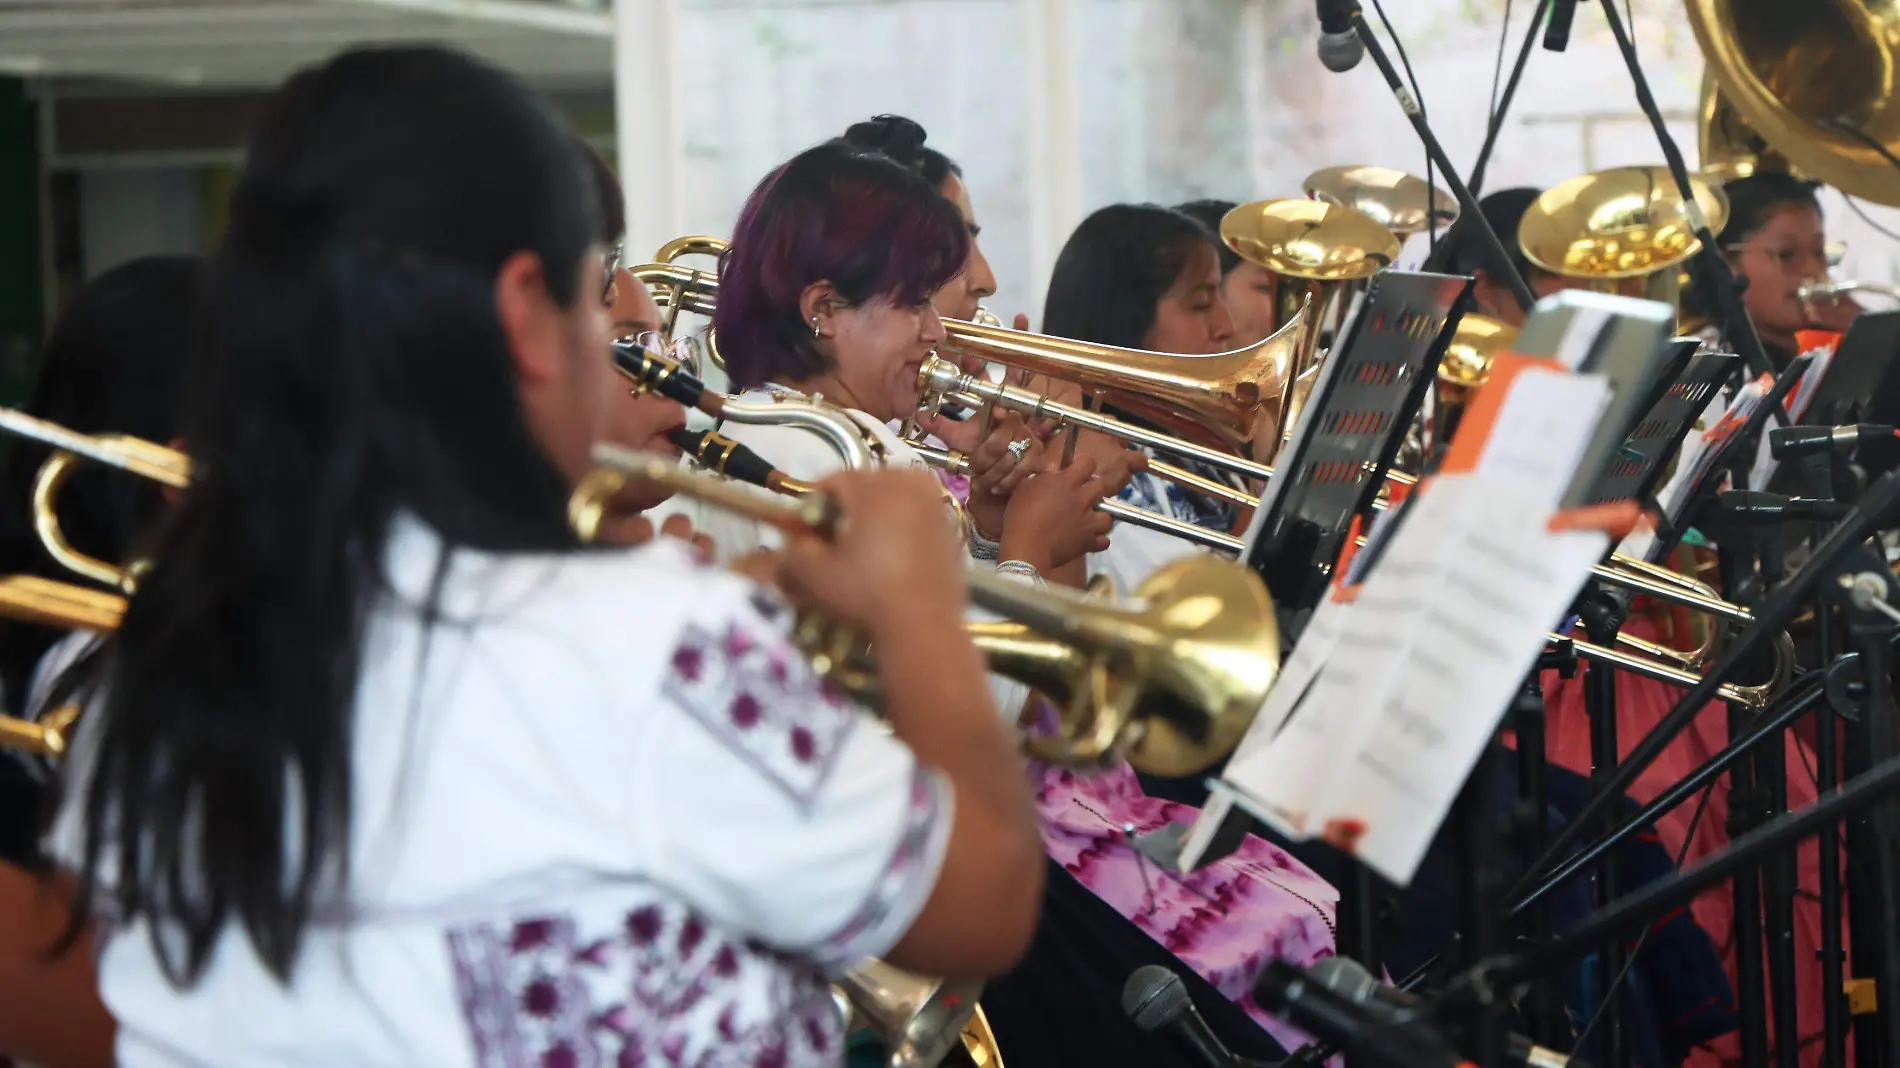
(1776, 240)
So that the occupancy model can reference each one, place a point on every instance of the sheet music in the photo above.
(1586, 325)
(1488, 587)
(1381, 720)
(1543, 428)
(1289, 776)
(1302, 666)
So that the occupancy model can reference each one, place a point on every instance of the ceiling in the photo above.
(172, 44)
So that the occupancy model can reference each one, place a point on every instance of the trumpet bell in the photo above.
(1625, 223)
(1170, 680)
(1402, 203)
(1814, 81)
(917, 1018)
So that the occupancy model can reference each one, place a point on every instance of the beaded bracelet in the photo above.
(1019, 569)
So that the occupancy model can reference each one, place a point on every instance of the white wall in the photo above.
(1175, 98)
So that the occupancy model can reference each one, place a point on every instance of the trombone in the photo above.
(168, 467)
(1169, 681)
(1829, 289)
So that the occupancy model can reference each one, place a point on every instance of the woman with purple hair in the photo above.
(1103, 917)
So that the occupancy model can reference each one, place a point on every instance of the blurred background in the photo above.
(121, 121)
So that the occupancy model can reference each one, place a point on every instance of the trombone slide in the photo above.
(957, 464)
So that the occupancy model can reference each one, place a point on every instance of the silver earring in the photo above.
(814, 326)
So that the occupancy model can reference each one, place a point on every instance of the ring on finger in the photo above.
(1019, 449)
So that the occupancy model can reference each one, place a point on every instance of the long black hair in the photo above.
(1209, 214)
(112, 364)
(352, 367)
(1114, 270)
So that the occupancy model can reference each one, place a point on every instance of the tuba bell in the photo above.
(1810, 82)
(1318, 253)
(1624, 230)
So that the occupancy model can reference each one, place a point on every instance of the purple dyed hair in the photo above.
(871, 227)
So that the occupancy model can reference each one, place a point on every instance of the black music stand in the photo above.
(1353, 426)
(1636, 472)
(1732, 457)
(1862, 383)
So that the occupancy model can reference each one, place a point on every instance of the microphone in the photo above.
(1790, 442)
(1350, 978)
(1755, 506)
(1340, 48)
(1557, 30)
(1156, 1000)
(1387, 1038)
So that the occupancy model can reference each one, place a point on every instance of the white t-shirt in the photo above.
(603, 815)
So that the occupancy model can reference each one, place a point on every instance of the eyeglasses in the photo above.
(613, 268)
(1831, 254)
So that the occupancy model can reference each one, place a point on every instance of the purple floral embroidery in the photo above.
(763, 705)
(658, 987)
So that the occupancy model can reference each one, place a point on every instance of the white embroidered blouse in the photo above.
(603, 814)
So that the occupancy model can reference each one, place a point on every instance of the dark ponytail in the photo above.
(352, 367)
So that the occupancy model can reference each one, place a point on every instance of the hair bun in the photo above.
(892, 135)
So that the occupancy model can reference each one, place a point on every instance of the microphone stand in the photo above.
(1504, 101)
(1807, 694)
(1828, 715)
(1748, 807)
(1603, 617)
(1873, 837)
(1715, 282)
(1467, 203)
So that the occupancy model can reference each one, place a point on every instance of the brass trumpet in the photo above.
(1170, 685)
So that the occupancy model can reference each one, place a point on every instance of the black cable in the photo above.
(1850, 130)
(1497, 71)
(1630, 21)
(1431, 188)
(1636, 952)
(1854, 206)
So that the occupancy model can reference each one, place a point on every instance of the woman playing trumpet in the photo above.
(382, 768)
